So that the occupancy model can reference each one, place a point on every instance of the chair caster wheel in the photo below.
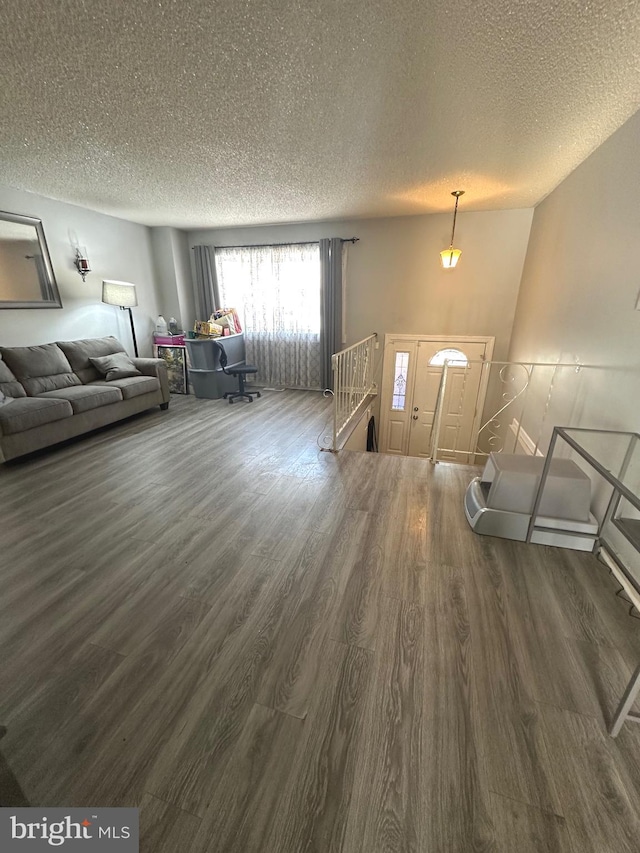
(258, 394)
(231, 401)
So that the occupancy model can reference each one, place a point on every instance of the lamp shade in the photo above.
(121, 293)
(449, 258)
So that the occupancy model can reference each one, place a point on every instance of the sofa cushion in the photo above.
(79, 353)
(115, 366)
(40, 368)
(85, 397)
(29, 412)
(133, 386)
(9, 385)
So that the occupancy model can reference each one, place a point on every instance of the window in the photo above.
(454, 356)
(401, 369)
(274, 288)
(276, 291)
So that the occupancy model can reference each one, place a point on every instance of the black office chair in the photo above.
(239, 370)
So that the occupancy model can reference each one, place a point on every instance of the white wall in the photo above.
(173, 275)
(163, 264)
(577, 301)
(184, 280)
(395, 282)
(581, 281)
(116, 249)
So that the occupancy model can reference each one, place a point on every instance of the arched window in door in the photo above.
(455, 357)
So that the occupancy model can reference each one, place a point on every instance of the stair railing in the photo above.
(353, 383)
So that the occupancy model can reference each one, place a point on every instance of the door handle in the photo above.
(416, 409)
(415, 417)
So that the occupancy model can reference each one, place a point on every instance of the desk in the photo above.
(207, 377)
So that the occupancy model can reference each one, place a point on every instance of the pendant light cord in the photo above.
(455, 213)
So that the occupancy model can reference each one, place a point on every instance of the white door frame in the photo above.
(487, 340)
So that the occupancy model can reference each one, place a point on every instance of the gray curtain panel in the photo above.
(330, 304)
(206, 283)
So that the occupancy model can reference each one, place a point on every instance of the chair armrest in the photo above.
(155, 367)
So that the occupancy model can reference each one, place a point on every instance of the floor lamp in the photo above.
(123, 294)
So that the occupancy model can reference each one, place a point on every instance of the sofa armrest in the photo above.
(155, 367)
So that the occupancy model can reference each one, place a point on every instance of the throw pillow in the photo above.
(116, 366)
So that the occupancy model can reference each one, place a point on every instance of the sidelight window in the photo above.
(401, 369)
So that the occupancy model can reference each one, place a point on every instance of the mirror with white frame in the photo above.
(26, 274)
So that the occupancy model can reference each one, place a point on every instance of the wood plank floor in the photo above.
(272, 649)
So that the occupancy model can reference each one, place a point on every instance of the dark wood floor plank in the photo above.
(11, 793)
(454, 780)
(165, 577)
(512, 743)
(290, 680)
(357, 615)
(35, 589)
(405, 541)
(57, 696)
(245, 800)
(318, 796)
(386, 808)
(51, 633)
(450, 540)
(565, 599)
(577, 674)
(184, 769)
(602, 588)
(278, 516)
(536, 831)
(164, 828)
(600, 800)
(102, 752)
(151, 605)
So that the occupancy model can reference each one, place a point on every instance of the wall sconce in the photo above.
(82, 262)
(449, 257)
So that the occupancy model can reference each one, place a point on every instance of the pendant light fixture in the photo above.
(449, 257)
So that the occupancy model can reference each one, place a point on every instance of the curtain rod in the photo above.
(272, 245)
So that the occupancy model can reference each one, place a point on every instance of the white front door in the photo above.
(413, 368)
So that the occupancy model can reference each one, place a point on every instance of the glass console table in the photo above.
(615, 457)
(174, 353)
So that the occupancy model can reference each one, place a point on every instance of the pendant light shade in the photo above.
(450, 257)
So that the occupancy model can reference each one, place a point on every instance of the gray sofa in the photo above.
(53, 392)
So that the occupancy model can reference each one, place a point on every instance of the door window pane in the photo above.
(400, 381)
(454, 356)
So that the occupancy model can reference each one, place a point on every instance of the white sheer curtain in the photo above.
(276, 290)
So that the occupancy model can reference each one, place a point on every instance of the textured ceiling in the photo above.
(224, 112)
